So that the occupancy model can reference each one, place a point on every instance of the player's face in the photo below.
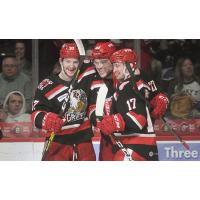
(103, 67)
(70, 66)
(118, 70)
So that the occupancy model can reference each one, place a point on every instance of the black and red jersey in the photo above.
(145, 84)
(132, 108)
(50, 96)
(131, 99)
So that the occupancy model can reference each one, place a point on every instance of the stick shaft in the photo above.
(175, 134)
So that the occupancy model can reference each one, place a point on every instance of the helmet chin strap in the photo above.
(62, 74)
(126, 72)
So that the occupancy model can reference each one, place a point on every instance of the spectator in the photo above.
(88, 56)
(88, 60)
(11, 79)
(184, 91)
(24, 64)
(15, 107)
(149, 63)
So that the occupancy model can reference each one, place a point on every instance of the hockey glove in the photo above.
(111, 124)
(159, 105)
(52, 122)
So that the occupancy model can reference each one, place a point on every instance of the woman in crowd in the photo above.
(184, 91)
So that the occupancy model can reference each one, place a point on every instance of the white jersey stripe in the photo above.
(37, 113)
(86, 74)
(135, 120)
(73, 125)
(90, 113)
(70, 126)
(143, 86)
(85, 119)
(57, 92)
(97, 85)
(149, 122)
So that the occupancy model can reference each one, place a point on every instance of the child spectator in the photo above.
(15, 107)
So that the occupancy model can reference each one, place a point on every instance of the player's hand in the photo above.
(159, 105)
(111, 124)
(52, 122)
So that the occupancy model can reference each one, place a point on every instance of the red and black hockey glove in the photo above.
(111, 124)
(159, 105)
(52, 122)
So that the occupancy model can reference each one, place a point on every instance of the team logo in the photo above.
(78, 105)
(44, 84)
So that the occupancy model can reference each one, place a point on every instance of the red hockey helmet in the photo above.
(124, 55)
(103, 50)
(69, 50)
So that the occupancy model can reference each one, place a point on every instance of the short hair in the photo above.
(8, 56)
(20, 41)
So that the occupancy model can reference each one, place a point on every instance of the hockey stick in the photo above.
(99, 114)
(148, 105)
(174, 133)
(81, 50)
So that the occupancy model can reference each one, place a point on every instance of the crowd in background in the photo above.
(174, 65)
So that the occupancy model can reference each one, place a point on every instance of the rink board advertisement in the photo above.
(169, 148)
(173, 150)
(20, 130)
(22, 142)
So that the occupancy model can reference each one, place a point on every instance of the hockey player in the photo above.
(131, 120)
(101, 58)
(60, 107)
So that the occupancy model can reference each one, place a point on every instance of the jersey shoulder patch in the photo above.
(45, 83)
